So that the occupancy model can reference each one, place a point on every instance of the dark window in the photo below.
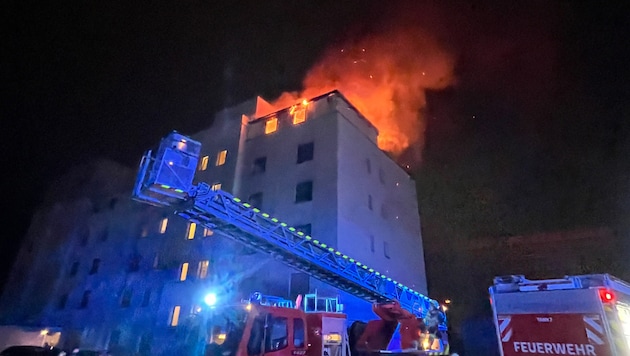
(306, 228)
(304, 192)
(305, 152)
(256, 200)
(74, 269)
(372, 243)
(277, 334)
(369, 202)
(104, 234)
(114, 337)
(85, 300)
(134, 262)
(298, 332)
(95, 264)
(260, 165)
(256, 336)
(145, 344)
(112, 203)
(147, 297)
(84, 234)
(368, 165)
(381, 175)
(61, 303)
(384, 212)
(125, 301)
(386, 249)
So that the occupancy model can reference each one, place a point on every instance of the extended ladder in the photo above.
(165, 179)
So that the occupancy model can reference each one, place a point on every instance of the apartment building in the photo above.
(119, 275)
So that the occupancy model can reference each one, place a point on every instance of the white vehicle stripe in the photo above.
(596, 325)
(593, 337)
(507, 336)
(504, 323)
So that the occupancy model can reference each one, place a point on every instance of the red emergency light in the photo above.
(606, 295)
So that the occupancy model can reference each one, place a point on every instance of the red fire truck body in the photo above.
(575, 315)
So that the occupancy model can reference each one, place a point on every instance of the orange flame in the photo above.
(385, 77)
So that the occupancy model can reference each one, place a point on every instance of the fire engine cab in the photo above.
(575, 315)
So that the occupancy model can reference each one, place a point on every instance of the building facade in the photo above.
(120, 275)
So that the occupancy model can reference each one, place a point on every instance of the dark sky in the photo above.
(539, 92)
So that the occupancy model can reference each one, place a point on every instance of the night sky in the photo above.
(533, 119)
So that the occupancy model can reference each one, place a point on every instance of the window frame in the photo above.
(302, 195)
(283, 339)
(221, 158)
(305, 152)
(271, 125)
(183, 272)
(259, 165)
(203, 163)
(190, 231)
(96, 263)
(256, 200)
(202, 269)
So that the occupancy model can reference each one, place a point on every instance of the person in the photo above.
(433, 319)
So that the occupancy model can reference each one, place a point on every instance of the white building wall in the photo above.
(379, 221)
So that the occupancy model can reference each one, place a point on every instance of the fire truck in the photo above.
(575, 315)
(265, 325)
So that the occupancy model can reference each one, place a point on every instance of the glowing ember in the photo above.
(385, 77)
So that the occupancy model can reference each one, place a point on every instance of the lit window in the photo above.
(144, 232)
(304, 192)
(221, 158)
(183, 271)
(203, 164)
(271, 125)
(175, 315)
(305, 152)
(163, 225)
(202, 269)
(207, 232)
(191, 231)
(216, 186)
(299, 116)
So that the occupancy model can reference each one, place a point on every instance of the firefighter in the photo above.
(433, 319)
